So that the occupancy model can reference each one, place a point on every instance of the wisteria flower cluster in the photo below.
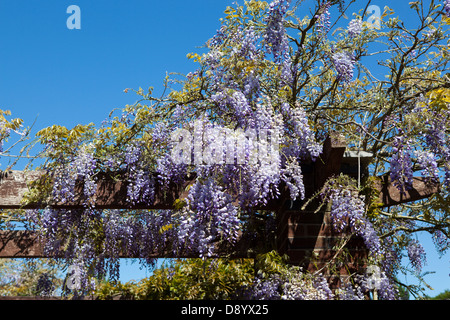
(416, 255)
(292, 284)
(275, 34)
(323, 18)
(401, 164)
(344, 63)
(447, 8)
(307, 287)
(354, 27)
(209, 217)
(405, 160)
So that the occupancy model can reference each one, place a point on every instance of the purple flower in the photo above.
(354, 27)
(348, 210)
(267, 289)
(323, 19)
(160, 132)
(210, 217)
(236, 102)
(293, 177)
(304, 143)
(132, 154)
(428, 164)
(447, 7)
(416, 255)
(344, 63)
(401, 172)
(247, 40)
(275, 34)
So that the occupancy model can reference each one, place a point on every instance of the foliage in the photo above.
(441, 296)
(186, 279)
(9, 126)
(32, 277)
(269, 89)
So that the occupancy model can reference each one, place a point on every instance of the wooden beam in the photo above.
(20, 244)
(26, 244)
(329, 162)
(390, 195)
(111, 194)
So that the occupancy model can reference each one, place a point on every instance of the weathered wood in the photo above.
(20, 244)
(390, 195)
(111, 193)
(13, 186)
(329, 162)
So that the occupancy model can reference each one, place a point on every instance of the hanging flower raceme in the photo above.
(209, 218)
(401, 172)
(348, 214)
(275, 34)
(447, 7)
(237, 102)
(428, 163)
(354, 27)
(141, 182)
(344, 62)
(416, 255)
(323, 19)
(80, 168)
(302, 143)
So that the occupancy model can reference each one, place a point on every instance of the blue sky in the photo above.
(55, 75)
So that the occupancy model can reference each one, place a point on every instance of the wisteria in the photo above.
(141, 182)
(84, 165)
(447, 7)
(378, 282)
(293, 284)
(301, 287)
(441, 242)
(401, 164)
(210, 216)
(416, 255)
(354, 27)
(293, 177)
(304, 144)
(347, 211)
(438, 143)
(428, 164)
(323, 18)
(267, 288)
(350, 292)
(66, 175)
(405, 161)
(344, 62)
(237, 101)
(249, 44)
(275, 34)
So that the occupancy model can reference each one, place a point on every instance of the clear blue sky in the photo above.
(61, 76)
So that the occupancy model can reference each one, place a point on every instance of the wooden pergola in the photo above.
(298, 232)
